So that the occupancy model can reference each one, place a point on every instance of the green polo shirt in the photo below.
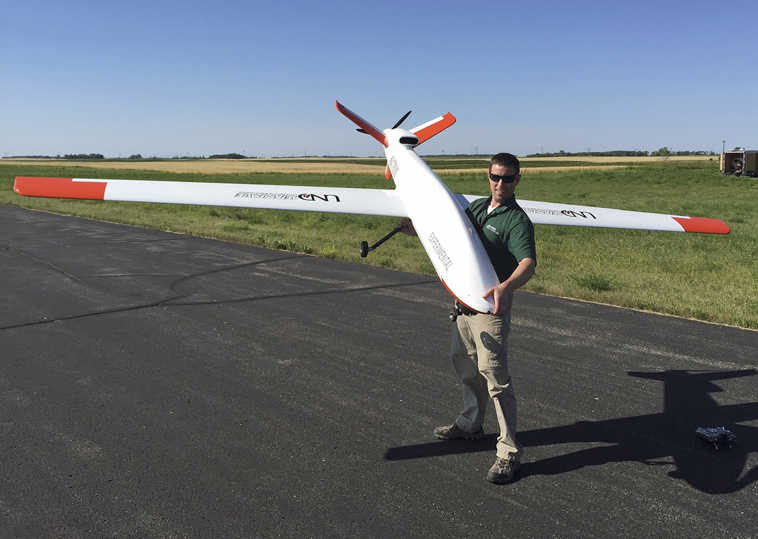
(507, 234)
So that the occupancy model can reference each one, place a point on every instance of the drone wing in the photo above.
(550, 213)
(277, 197)
(340, 200)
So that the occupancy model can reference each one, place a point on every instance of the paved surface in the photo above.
(161, 385)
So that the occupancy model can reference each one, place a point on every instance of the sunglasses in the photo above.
(506, 178)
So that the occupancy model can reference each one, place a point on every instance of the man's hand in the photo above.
(518, 278)
(496, 292)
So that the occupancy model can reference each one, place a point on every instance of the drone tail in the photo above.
(427, 130)
(364, 126)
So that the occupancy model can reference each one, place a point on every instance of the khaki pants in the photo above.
(480, 357)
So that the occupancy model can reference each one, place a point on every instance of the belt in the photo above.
(459, 310)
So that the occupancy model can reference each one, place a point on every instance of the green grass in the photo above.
(713, 278)
(452, 163)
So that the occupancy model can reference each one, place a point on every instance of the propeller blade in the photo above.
(401, 120)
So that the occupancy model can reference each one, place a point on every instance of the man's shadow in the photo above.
(666, 438)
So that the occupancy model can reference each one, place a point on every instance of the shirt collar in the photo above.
(509, 203)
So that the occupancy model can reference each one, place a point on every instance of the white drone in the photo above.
(438, 215)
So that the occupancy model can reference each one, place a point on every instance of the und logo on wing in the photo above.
(312, 197)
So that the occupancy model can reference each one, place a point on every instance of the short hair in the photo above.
(506, 160)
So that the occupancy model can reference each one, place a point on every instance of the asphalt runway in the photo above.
(154, 384)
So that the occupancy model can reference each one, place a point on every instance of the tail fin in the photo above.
(423, 132)
(366, 126)
(427, 130)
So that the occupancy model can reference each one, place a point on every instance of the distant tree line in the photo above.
(621, 153)
(59, 156)
(226, 156)
(80, 156)
(612, 153)
(83, 156)
(664, 151)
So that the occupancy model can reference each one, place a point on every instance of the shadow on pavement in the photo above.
(666, 438)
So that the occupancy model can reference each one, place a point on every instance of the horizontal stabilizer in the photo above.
(363, 124)
(429, 129)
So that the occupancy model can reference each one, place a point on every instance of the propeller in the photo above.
(401, 120)
(397, 124)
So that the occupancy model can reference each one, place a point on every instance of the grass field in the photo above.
(713, 278)
(314, 165)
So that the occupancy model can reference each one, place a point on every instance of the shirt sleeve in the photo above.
(520, 241)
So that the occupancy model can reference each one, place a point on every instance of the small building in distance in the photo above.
(739, 162)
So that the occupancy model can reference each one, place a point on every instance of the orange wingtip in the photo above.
(702, 225)
(58, 188)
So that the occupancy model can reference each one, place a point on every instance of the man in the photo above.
(480, 341)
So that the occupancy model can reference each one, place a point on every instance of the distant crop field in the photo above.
(711, 278)
(441, 165)
(223, 166)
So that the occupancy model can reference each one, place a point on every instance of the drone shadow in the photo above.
(666, 438)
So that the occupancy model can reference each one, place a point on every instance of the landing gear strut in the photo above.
(365, 249)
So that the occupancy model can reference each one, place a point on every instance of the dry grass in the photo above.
(251, 166)
(215, 166)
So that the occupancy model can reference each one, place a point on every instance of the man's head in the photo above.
(503, 176)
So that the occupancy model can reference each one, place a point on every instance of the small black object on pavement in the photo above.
(718, 437)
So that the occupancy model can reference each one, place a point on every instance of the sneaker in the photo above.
(454, 432)
(504, 470)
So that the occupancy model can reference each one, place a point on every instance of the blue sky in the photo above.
(175, 78)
